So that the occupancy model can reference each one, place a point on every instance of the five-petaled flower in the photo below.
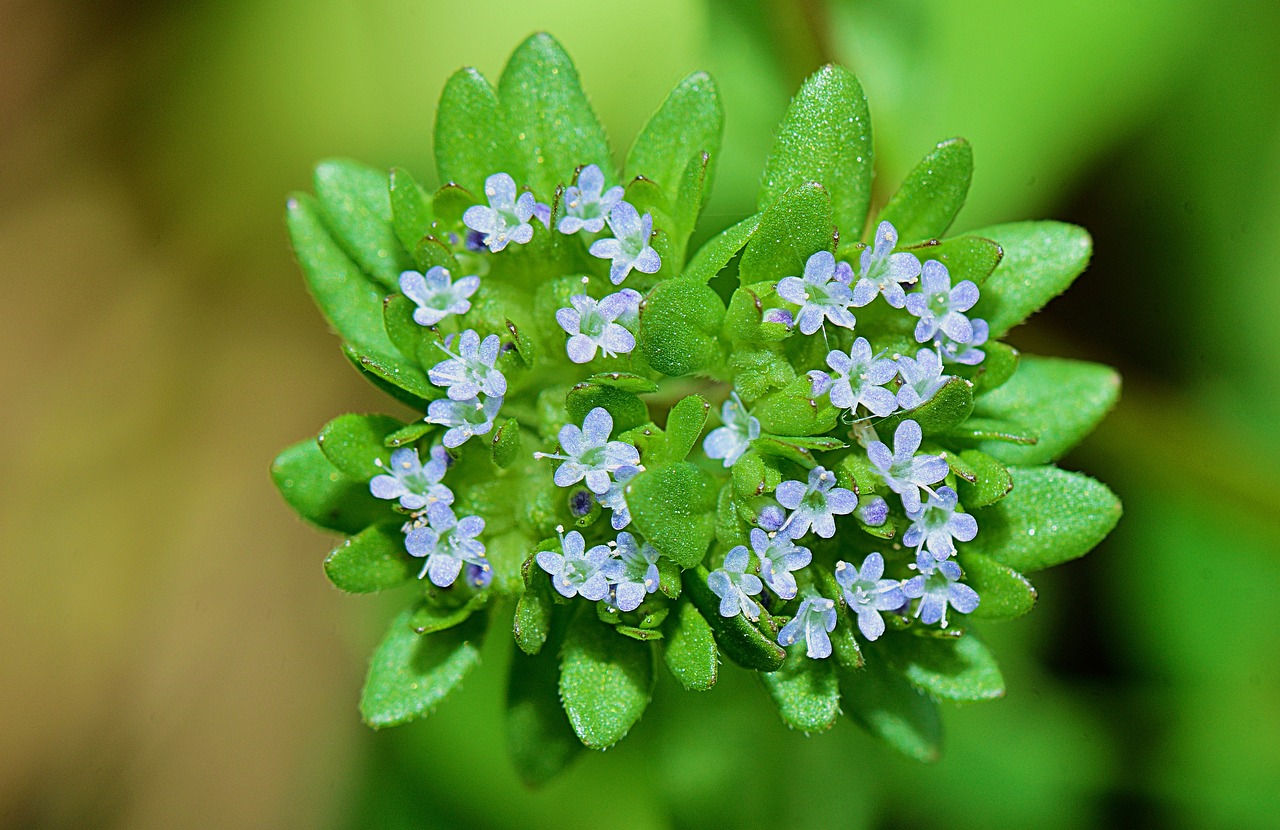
(416, 485)
(967, 354)
(904, 471)
(589, 454)
(471, 371)
(507, 218)
(823, 294)
(941, 307)
(639, 572)
(881, 271)
(735, 586)
(593, 325)
(867, 594)
(937, 526)
(630, 249)
(858, 378)
(778, 556)
(587, 203)
(464, 418)
(447, 542)
(436, 294)
(578, 571)
(814, 620)
(937, 586)
(815, 503)
(921, 377)
(730, 441)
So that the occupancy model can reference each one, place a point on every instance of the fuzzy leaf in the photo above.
(934, 191)
(794, 411)
(410, 211)
(717, 251)
(1052, 516)
(606, 680)
(428, 618)
(397, 377)
(373, 560)
(987, 481)
(690, 649)
(689, 122)
(737, 638)
(1040, 260)
(684, 426)
(1004, 592)
(350, 301)
(506, 443)
(997, 367)
(410, 674)
(356, 205)
(674, 508)
(467, 133)
(825, 137)
(805, 691)
(678, 327)
(966, 257)
(321, 494)
(951, 668)
(1060, 400)
(540, 741)
(408, 434)
(628, 411)
(948, 407)
(552, 126)
(889, 707)
(533, 609)
(793, 228)
(625, 381)
(354, 442)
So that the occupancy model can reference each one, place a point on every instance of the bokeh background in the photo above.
(171, 653)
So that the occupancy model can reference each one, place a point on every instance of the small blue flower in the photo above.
(464, 418)
(967, 354)
(936, 526)
(867, 594)
(740, 428)
(506, 219)
(479, 576)
(735, 586)
(873, 511)
(903, 470)
(639, 573)
(941, 307)
(815, 503)
(778, 556)
(589, 454)
(471, 371)
(593, 325)
(883, 272)
(436, 295)
(578, 571)
(814, 620)
(630, 248)
(616, 499)
(937, 587)
(780, 316)
(771, 518)
(822, 295)
(921, 377)
(587, 204)
(447, 543)
(415, 485)
(858, 378)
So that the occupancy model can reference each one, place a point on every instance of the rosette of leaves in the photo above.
(587, 650)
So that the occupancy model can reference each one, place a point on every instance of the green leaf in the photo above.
(966, 257)
(408, 434)
(1004, 593)
(934, 191)
(674, 508)
(400, 379)
(805, 691)
(689, 122)
(468, 130)
(684, 426)
(637, 633)
(794, 411)
(540, 741)
(321, 494)
(506, 443)
(1040, 260)
(605, 681)
(1035, 397)
(792, 229)
(355, 444)
(373, 560)
(988, 480)
(948, 407)
(997, 367)
(449, 203)
(1052, 516)
(628, 411)
(405, 333)
(690, 649)
(357, 209)
(825, 137)
(410, 212)
(740, 641)
(717, 251)
(950, 668)
(428, 617)
(533, 609)
(977, 429)
(410, 674)
(889, 707)
(695, 185)
(625, 381)
(554, 130)
(431, 251)
(678, 327)
(350, 301)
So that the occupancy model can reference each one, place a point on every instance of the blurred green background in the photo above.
(172, 654)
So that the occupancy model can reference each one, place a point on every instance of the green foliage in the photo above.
(805, 691)
(884, 702)
(933, 193)
(679, 327)
(1040, 260)
(320, 493)
(798, 224)
(372, 560)
(690, 649)
(673, 506)
(356, 205)
(540, 740)
(736, 637)
(410, 673)
(950, 668)
(605, 681)
(355, 444)
(470, 137)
